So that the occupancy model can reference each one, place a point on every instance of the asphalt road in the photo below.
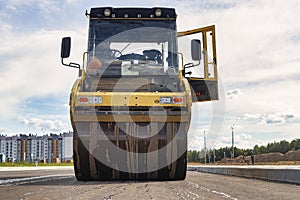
(61, 184)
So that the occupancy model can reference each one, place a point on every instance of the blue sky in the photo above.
(258, 55)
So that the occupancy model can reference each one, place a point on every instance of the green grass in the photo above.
(26, 164)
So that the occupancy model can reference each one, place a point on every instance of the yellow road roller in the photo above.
(130, 107)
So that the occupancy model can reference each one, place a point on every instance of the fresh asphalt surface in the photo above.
(60, 183)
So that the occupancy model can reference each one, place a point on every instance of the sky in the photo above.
(258, 45)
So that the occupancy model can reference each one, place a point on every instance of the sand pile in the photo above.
(269, 157)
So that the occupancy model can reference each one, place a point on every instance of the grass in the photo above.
(26, 164)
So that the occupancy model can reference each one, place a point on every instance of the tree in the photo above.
(282, 147)
(295, 144)
(256, 149)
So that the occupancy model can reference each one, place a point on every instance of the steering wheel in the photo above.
(115, 53)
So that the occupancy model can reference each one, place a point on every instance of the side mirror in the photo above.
(196, 49)
(65, 47)
(65, 53)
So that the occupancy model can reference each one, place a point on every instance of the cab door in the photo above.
(200, 65)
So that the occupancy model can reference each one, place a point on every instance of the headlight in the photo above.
(107, 12)
(158, 12)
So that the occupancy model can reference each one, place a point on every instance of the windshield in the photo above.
(121, 48)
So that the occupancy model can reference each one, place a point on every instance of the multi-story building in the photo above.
(31, 148)
(67, 146)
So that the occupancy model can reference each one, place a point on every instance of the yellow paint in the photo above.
(130, 98)
(130, 118)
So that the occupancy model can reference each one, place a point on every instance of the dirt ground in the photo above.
(289, 158)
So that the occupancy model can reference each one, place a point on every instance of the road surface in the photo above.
(60, 183)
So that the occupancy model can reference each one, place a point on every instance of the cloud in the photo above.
(32, 67)
(2, 130)
(241, 140)
(269, 118)
(45, 125)
(196, 142)
(277, 118)
(247, 116)
(46, 5)
(4, 26)
(246, 55)
(66, 105)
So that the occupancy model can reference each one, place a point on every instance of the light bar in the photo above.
(139, 13)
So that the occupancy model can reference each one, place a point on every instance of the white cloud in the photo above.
(273, 119)
(71, 1)
(45, 125)
(45, 5)
(196, 142)
(32, 66)
(277, 118)
(2, 130)
(270, 118)
(254, 38)
(66, 105)
(241, 140)
(4, 27)
(247, 116)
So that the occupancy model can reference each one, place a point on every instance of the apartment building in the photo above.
(31, 148)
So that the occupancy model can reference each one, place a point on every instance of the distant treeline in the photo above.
(282, 147)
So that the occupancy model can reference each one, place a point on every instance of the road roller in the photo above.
(130, 106)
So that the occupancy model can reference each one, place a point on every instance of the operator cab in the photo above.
(142, 42)
(132, 42)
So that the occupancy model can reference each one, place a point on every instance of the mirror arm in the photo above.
(74, 65)
(189, 65)
(62, 62)
(197, 64)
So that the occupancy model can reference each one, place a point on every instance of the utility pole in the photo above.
(232, 141)
(204, 147)
(214, 155)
